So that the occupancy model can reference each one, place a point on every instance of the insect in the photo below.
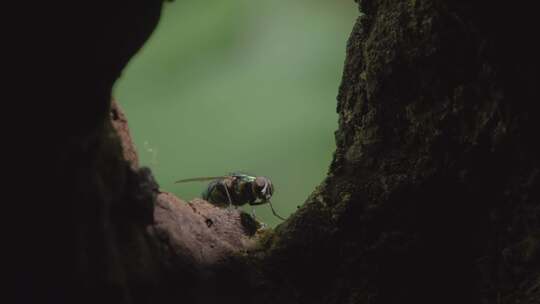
(237, 189)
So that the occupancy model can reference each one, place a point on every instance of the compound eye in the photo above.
(264, 187)
(260, 182)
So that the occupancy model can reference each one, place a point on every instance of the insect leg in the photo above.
(228, 195)
(274, 212)
(271, 207)
(253, 212)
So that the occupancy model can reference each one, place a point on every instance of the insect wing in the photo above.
(200, 179)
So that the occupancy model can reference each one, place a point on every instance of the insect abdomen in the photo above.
(215, 193)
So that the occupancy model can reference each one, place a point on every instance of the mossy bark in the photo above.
(433, 192)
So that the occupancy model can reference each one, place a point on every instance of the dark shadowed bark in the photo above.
(432, 195)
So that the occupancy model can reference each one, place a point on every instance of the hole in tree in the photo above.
(247, 86)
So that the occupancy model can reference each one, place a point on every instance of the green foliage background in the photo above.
(240, 85)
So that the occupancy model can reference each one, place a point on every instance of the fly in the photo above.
(237, 189)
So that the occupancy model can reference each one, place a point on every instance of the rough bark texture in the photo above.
(432, 196)
(87, 225)
(433, 193)
(120, 124)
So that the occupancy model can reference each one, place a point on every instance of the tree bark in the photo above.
(432, 196)
(433, 192)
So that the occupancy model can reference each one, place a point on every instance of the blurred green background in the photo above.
(240, 85)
